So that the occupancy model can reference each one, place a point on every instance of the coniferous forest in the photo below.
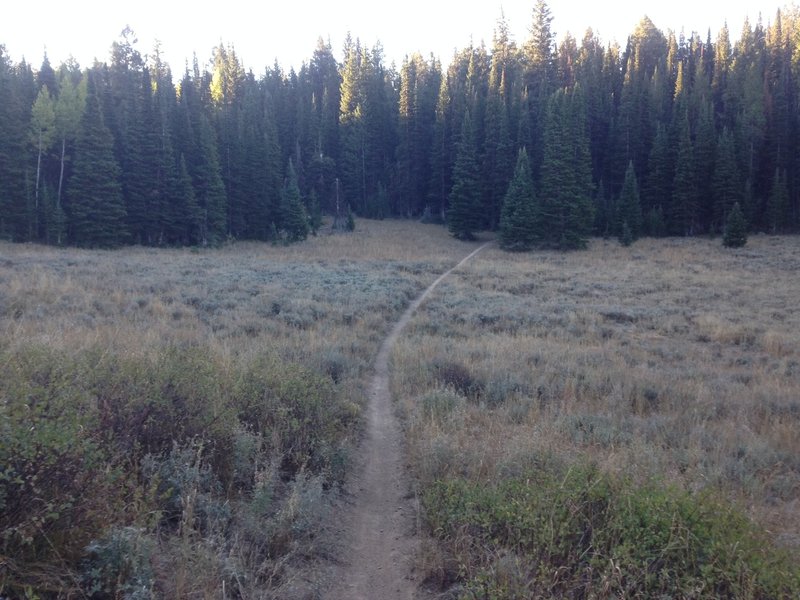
(660, 137)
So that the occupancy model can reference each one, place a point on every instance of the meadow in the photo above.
(619, 422)
(606, 423)
(177, 423)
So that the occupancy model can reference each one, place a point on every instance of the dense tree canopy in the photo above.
(667, 134)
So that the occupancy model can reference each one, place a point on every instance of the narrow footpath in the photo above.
(377, 563)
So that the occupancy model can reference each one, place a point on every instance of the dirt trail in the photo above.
(378, 561)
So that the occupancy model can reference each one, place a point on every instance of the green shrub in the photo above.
(438, 404)
(56, 486)
(459, 377)
(118, 565)
(303, 419)
(586, 531)
(104, 452)
(180, 477)
(146, 405)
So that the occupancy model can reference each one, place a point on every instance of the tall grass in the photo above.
(176, 423)
(669, 365)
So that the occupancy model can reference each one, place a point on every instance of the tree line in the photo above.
(661, 137)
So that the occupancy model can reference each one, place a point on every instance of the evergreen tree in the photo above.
(498, 149)
(202, 159)
(441, 152)
(735, 228)
(629, 206)
(626, 237)
(683, 211)
(704, 153)
(314, 213)
(183, 220)
(14, 117)
(294, 219)
(464, 215)
(604, 212)
(727, 185)
(566, 185)
(519, 226)
(325, 84)
(97, 210)
(704, 125)
(777, 202)
(143, 201)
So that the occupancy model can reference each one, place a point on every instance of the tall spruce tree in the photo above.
(200, 150)
(97, 210)
(14, 116)
(464, 215)
(727, 183)
(519, 220)
(294, 218)
(777, 202)
(566, 185)
(735, 228)
(629, 208)
(497, 149)
(682, 215)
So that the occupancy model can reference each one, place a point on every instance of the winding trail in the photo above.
(378, 561)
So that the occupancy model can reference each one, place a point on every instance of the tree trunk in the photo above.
(61, 181)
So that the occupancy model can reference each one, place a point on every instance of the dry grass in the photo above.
(233, 298)
(672, 359)
(133, 316)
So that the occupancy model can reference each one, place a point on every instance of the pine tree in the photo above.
(683, 213)
(629, 207)
(464, 214)
(294, 219)
(97, 211)
(519, 226)
(498, 150)
(704, 153)
(202, 159)
(141, 177)
(566, 185)
(727, 183)
(626, 236)
(441, 151)
(14, 116)
(604, 211)
(777, 202)
(735, 228)
(325, 90)
(183, 219)
(314, 213)
(660, 175)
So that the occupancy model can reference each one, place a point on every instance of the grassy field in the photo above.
(176, 422)
(638, 389)
(619, 422)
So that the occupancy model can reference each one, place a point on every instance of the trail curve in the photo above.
(378, 562)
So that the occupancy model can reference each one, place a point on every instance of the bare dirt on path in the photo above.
(377, 559)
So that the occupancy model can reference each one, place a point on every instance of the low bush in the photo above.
(586, 534)
(104, 452)
(57, 487)
(299, 413)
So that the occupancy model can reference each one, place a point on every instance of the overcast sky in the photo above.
(288, 30)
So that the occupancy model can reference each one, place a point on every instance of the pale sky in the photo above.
(288, 29)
